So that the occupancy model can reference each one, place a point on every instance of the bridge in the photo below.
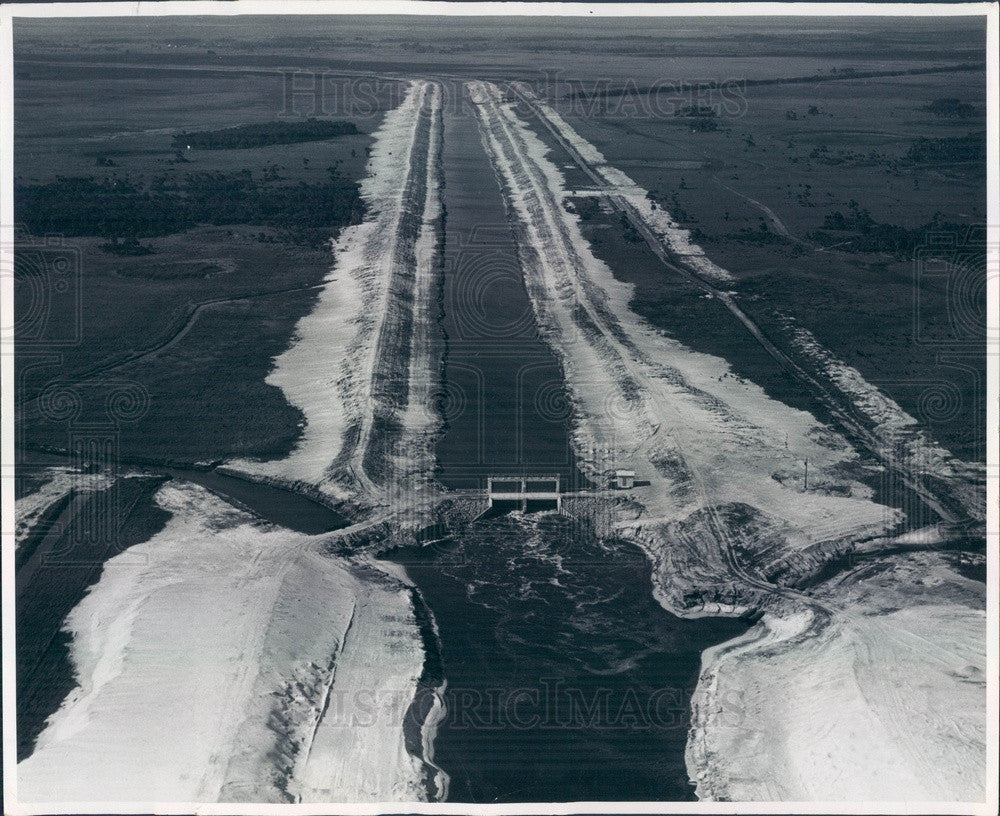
(524, 489)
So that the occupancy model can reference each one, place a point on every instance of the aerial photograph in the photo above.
(444, 410)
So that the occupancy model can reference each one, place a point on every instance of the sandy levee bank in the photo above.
(226, 659)
(57, 484)
(360, 367)
(896, 681)
(363, 370)
(726, 519)
(207, 659)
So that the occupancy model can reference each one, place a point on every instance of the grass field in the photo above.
(189, 314)
(759, 193)
(102, 99)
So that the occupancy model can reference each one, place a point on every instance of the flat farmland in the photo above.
(188, 311)
(762, 193)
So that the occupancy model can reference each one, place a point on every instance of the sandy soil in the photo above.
(228, 660)
(329, 372)
(59, 482)
(207, 658)
(725, 496)
(885, 702)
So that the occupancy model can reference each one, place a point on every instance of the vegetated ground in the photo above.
(824, 200)
(102, 99)
(643, 50)
(205, 259)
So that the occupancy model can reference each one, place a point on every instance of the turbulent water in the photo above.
(566, 680)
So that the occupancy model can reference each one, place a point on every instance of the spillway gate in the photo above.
(524, 489)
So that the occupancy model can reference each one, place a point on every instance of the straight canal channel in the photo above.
(565, 679)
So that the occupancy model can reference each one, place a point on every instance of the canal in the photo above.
(566, 680)
(504, 403)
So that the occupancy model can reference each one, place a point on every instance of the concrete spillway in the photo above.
(533, 489)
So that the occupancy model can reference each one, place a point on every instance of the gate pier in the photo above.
(524, 489)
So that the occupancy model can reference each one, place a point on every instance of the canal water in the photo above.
(504, 401)
(272, 503)
(565, 679)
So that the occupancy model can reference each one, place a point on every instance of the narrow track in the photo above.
(854, 427)
(390, 341)
(637, 369)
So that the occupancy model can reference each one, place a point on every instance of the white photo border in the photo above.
(231, 8)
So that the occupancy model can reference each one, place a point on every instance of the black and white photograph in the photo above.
(499, 408)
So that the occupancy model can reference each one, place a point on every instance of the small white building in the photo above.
(624, 480)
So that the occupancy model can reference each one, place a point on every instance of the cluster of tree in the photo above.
(971, 147)
(959, 149)
(951, 108)
(128, 248)
(703, 125)
(791, 113)
(703, 117)
(263, 134)
(761, 236)
(870, 235)
(630, 233)
(834, 75)
(823, 154)
(117, 208)
(672, 203)
(706, 111)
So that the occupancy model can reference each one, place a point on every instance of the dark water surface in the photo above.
(505, 403)
(565, 679)
(274, 504)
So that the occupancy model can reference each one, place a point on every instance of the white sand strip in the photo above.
(901, 434)
(675, 237)
(327, 372)
(707, 440)
(59, 482)
(203, 659)
(875, 707)
(670, 413)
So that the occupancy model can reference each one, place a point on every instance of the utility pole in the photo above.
(805, 482)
